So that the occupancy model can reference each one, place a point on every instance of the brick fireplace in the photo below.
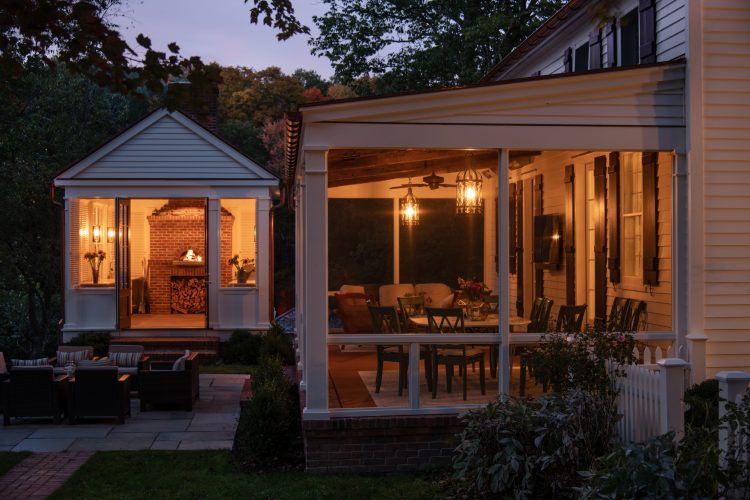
(176, 227)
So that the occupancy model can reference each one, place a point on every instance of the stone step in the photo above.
(173, 347)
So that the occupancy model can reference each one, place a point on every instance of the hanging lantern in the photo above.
(96, 233)
(409, 209)
(469, 192)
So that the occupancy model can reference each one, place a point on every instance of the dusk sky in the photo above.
(220, 30)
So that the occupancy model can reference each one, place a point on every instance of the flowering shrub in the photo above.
(564, 361)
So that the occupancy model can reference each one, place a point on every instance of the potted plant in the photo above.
(245, 268)
(95, 261)
(476, 291)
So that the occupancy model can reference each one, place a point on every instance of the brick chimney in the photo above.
(199, 103)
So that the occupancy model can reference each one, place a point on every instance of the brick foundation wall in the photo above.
(226, 271)
(379, 444)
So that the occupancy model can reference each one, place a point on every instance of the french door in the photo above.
(122, 264)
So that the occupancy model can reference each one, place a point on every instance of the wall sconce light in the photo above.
(110, 234)
(96, 234)
(469, 191)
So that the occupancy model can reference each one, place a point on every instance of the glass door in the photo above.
(122, 258)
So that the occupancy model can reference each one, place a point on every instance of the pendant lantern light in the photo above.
(409, 208)
(469, 199)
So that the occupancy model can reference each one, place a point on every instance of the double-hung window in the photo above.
(632, 216)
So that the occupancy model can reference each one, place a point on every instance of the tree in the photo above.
(80, 35)
(412, 44)
(64, 117)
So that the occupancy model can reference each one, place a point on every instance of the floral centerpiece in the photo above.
(95, 261)
(244, 267)
(476, 291)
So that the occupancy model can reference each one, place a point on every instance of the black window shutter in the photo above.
(647, 27)
(613, 214)
(610, 34)
(519, 248)
(600, 239)
(538, 210)
(570, 256)
(595, 49)
(650, 222)
(568, 60)
(512, 235)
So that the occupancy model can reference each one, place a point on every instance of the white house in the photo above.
(169, 204)
(616, 136)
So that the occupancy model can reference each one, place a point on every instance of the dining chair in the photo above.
(411, 306)
(619, 314)
(451, 320)
(385, 321)
(540, 313)
(570, 318)
(637, 310)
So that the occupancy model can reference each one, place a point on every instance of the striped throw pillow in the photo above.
(125, 359)
(94, 362)
(64, 357)
(29, 362)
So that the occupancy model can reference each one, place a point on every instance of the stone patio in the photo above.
(211, 425)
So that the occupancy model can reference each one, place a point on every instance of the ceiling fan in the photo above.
(431, 181)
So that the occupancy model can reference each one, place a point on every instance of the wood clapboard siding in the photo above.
(671, 29)
(166, 150)
(726, 142)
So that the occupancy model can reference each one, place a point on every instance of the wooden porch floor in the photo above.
(167, 321)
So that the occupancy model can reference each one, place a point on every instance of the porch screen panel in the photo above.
(360, 241)
(238, 238)
(443, 246)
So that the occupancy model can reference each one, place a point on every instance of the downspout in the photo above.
(62, 259)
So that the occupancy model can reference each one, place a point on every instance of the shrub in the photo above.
(98, 340)
(277, 343)
(242, 347)
(269, 432)
(531, 448)
(566, 361)
(702, 403)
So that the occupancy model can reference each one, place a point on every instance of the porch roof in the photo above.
(166, 148)
(637, 108)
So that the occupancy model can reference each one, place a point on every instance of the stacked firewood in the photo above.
(189, 295)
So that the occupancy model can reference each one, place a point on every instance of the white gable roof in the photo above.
(166, 146)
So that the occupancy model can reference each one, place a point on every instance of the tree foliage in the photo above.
(63, 118)
(412, 44)
(81, 35)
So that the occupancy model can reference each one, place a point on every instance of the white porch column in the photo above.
(299, 300)
(214, 261)
(316, 284)
(502, 278)
(680, 245)
(262, 231)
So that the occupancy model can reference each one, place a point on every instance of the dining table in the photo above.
(471, 324)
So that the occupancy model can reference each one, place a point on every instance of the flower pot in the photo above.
(242, 276)
(95, 274)
(477, 311)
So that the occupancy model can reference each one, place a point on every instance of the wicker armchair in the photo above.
(34, 392)
(160, 384)
(99, 392)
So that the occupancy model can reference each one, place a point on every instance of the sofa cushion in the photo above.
(88, 363)
(125, 358)
(389, 294)
(447, 301)
(433, 293)
(352, 289)
(29, 362)
(65, 357)
(179, 364)
(355, 315)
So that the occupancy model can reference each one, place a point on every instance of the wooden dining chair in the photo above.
(451, 320)
(619, 314)
(385, 321)
(570, 318)
(635, 316)
(540, 313)
(411, 306)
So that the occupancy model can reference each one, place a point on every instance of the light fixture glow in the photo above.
(96, 234)
(110, 234)
(409, 208)
(469, 191)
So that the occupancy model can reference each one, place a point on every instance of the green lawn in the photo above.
(211, 474)
(226, 368)
(8, 459)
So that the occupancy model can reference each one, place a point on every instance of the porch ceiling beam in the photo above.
(356, 158)
(416, 169)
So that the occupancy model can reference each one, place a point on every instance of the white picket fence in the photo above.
(650, 399)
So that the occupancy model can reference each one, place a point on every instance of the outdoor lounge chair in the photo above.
(163, 383)
(128, 359)
(99, 392)
(74, 353)
(34, 392)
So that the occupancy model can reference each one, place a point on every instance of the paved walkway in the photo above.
(211, 425)
(39, 475)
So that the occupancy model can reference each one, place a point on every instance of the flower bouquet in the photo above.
(476, 291)
(245, 268)
(95, 261)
